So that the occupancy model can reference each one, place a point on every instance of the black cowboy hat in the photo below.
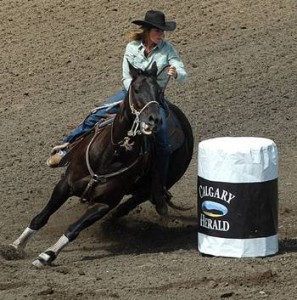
(155, 18)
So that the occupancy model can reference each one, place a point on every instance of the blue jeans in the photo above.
(163, 147)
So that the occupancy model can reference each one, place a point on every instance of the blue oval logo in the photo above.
(214, 209)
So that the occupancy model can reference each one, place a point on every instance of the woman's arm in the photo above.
(128, 56)
(175, 61)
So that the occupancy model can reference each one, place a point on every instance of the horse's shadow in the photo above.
(134, 236)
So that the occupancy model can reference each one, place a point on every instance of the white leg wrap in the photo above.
(60, 244)
(21, 242)
(46, 257)
(40, 262)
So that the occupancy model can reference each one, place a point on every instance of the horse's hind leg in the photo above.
(124, 208)
(92, 215)
(60, 194)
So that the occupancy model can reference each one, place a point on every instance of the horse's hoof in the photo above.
(15, 246)
(44, 259)
(162, 210)
(38, 263)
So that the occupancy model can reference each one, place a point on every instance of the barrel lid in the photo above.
(238, 159)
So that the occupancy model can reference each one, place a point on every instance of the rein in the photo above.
(167, 81)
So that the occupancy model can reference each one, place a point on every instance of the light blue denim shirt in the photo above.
(163, 54)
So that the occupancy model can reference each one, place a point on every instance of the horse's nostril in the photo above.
(155, 120)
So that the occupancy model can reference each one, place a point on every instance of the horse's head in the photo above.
(144, 99)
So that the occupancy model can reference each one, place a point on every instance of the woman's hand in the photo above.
(172, 71)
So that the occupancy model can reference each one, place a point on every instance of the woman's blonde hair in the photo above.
(138, 34)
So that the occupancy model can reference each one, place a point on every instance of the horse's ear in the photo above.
(154, 69)
(133, 71)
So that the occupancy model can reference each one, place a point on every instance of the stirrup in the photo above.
(58, 148)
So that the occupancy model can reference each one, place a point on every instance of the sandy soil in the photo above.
(58, 59)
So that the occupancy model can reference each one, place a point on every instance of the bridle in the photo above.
(136, 122)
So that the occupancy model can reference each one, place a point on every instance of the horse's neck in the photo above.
(122, 124)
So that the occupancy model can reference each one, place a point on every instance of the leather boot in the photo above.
(57, 154)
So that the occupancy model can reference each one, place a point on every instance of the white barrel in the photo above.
(237, 197)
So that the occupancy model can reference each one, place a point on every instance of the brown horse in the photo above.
(115, 161)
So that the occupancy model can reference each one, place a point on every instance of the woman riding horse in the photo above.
(146, 46)
(116, 161)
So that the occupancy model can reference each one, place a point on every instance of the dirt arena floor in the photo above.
(61, 57)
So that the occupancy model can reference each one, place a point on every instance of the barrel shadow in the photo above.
(287, 245)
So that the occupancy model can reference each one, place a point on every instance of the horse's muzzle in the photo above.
(151, 126)
(146, 129)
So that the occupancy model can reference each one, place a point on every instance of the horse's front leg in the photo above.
(59, 196)
(92, 215)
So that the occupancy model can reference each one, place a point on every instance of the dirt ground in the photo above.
(61, 57)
